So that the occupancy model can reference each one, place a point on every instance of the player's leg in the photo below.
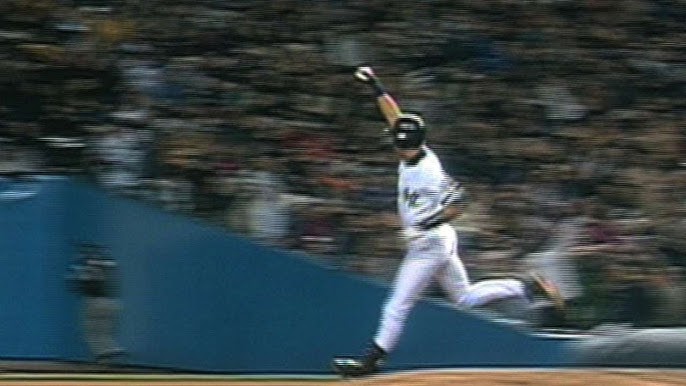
(452, 276)
(526, 297)
(454, 279)
(513, 309)
(487, 291)
(413, 276)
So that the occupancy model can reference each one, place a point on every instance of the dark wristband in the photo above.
(378, 87)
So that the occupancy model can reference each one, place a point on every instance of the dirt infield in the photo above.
(433, 378)
(555, 378)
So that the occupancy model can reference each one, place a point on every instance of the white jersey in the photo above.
(424, 189)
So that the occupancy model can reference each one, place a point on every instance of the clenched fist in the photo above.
(365, 74)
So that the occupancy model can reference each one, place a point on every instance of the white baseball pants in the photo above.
(433, 255)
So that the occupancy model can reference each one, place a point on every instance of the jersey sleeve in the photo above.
(442, 192)
(451, 192)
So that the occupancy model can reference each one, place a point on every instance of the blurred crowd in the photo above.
(563, 118)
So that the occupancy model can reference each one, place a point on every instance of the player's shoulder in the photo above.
(430, 160)
(430, 154)
(431, 168)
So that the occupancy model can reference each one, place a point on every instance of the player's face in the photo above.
(406, 154)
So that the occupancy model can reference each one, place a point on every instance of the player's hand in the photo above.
(365, 74)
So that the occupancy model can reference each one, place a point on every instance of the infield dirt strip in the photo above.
(424, 378)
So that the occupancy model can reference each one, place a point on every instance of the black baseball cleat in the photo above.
(538, 286)
(366, 364)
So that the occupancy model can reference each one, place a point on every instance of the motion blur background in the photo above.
(564, 119)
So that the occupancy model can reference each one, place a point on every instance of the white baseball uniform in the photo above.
(424, 189)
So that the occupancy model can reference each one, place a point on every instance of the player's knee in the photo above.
(398, 310)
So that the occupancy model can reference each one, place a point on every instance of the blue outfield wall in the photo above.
(198, 298)
(32, 252)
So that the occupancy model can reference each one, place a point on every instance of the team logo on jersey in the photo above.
(410, 197)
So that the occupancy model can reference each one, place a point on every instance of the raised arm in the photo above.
(387, 104)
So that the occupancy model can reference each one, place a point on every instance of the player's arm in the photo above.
(453, 202)
(387, 104)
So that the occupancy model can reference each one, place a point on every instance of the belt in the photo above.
(436, 225)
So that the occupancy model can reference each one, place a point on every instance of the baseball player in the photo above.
(428, 199)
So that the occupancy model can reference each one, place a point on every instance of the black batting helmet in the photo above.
(408, 131)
